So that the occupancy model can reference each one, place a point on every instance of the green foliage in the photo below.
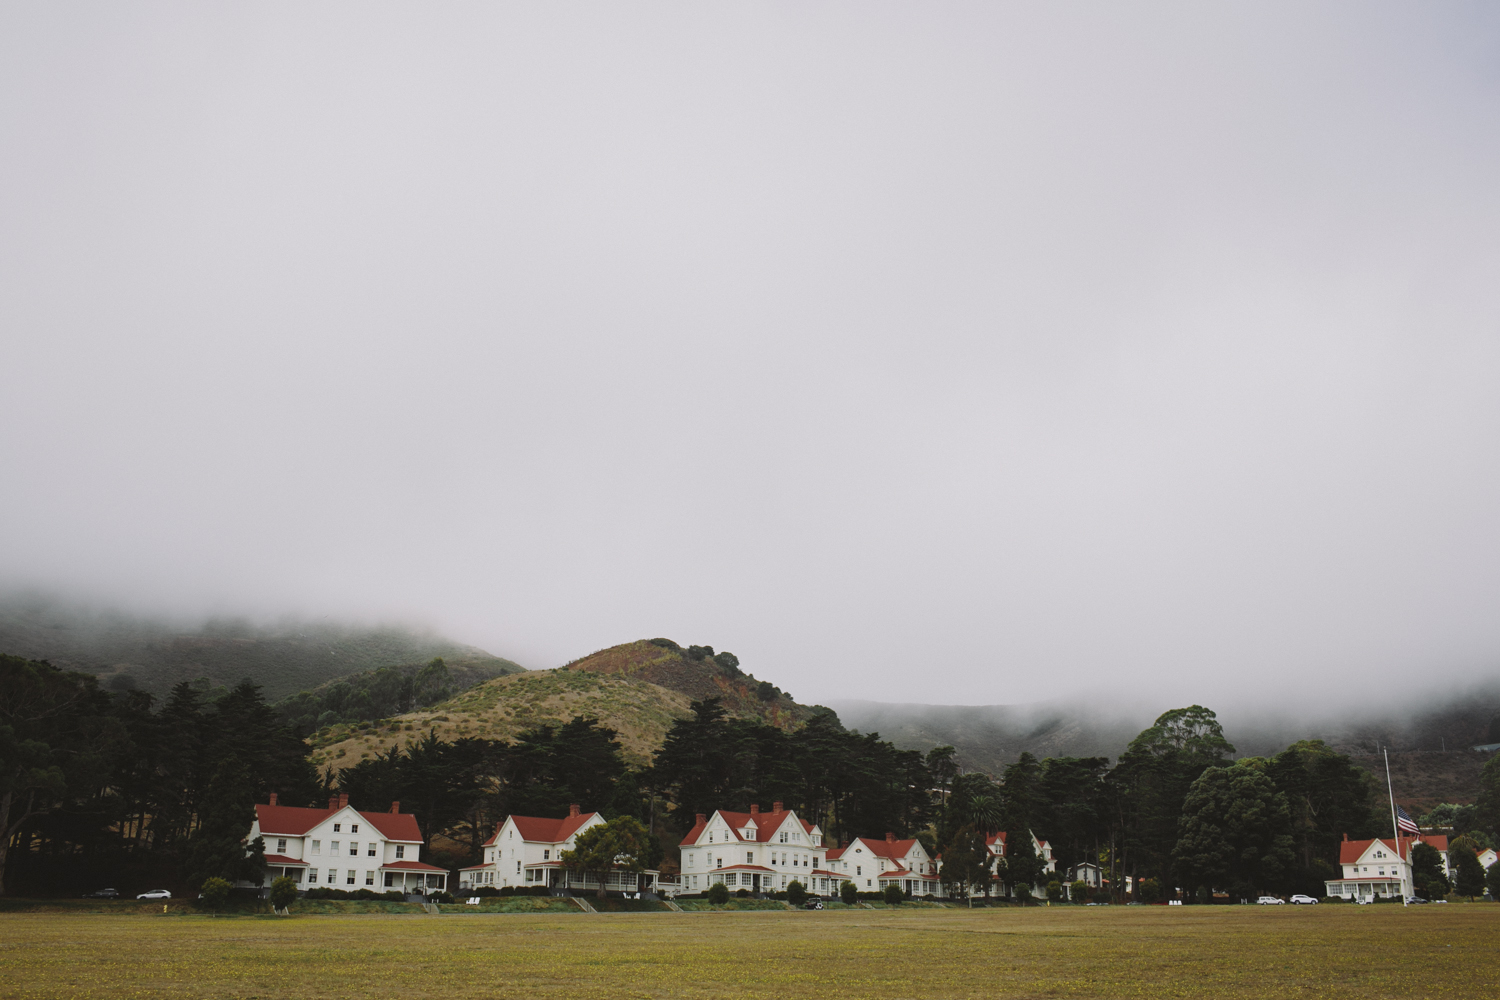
(892, 895)
(1054, 891)
(766, 691)
(1492, 880)
(1327, 797)
(1487, 805)
(848, 893)
(283, 892)
(1078, 892)
(1021, 864)
(1427, 873)
(729, 663)
(1151, 782)
(1148, 890)
(1231, 833)
(718, 893)
(620, 844)
(966, 863)
(1468, 873)
(796, 893)
(385, 692)
(1450, 816)
(215, 892)
(699, 653)
(848, 783)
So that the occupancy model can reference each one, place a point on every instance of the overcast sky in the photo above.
(932, 352)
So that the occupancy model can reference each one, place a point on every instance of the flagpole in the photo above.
(1396, 830)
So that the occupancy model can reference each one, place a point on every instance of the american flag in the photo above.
(1405, 823)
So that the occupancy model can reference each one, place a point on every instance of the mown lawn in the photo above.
(1222, 951)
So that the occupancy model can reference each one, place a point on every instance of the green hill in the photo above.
(637, 688)
(153, 654)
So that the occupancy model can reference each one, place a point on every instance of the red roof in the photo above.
(277, 859)
(892, 850)
(744, 868)
(1350, 851)
(1436, 841)
(296, 821)
(766, 825)
(544, 829)
(412, 866)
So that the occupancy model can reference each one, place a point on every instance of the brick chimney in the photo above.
(273, 798)
(890, 838)
(755, 809)
(396, 806)
(572, 809)
(776, 807)
(333, 801)
(1346, 838)
(343, 800)
(702, 818)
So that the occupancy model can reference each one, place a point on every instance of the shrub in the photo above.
(729, 662)
(1205, 894)
(215, 892)
(718, 893)
(742, 893)
(283, 893)
(440, 897)
(848, 893)
(1022, 892)
(394, 895)
(892, 895)
(488, 890)
(1054, 891)
(796, 893)
(1148, 891)
(765, 691)
(698, 653)
(1078, 892)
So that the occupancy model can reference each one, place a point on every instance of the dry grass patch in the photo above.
(1325, 951)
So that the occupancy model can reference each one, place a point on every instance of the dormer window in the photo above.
(354, 828)
(336, 828)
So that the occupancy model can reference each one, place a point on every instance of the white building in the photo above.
(1043, 850)
(342, 848)
(761, 852)
(874, 864)
(1380, 867)
(1089, 874)
(525, 851)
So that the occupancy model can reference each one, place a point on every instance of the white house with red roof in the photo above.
(525, 850)
(758, 851)
(342, 848)
(874, 864)
(1380, 867)
(996, 844)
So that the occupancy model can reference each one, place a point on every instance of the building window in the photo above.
(371, 850)
(354, 828)
(349, 878)
(312, 875)
(333, 847)
(400, 851)
(353, 848)
(333, 875)
(335, 828)
(390, 880)
(317, 847)
(281, 846)
(749, 857)
(369, 878)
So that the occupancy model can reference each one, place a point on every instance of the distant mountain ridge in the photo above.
(126, 650)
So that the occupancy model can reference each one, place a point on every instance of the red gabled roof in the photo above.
(1436, 841)
(545, 830)
(278, 859)
(1350, 851)
(891, 850)
(766, 824)
(296, 821)
(413, 866)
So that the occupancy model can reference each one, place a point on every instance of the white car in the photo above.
(1301, 900)
(155, 894)
(1269, 901)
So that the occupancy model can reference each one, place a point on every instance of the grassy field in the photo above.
(1325, 951)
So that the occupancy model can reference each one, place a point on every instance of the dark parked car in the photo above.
(102, 894)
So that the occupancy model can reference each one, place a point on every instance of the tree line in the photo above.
(167, 791)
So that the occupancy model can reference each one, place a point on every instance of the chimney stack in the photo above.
(273, 798)
(776, 807)
(333, 802)
(702, 818)
(343, 800)
(396, 806)
(1346, 838)
(573, 809)
(755, 809)
(890, 838)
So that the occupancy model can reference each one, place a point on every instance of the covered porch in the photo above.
(413, 877)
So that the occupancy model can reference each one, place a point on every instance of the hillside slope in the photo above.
(131, 651)
(501, 709)
(638, 688)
